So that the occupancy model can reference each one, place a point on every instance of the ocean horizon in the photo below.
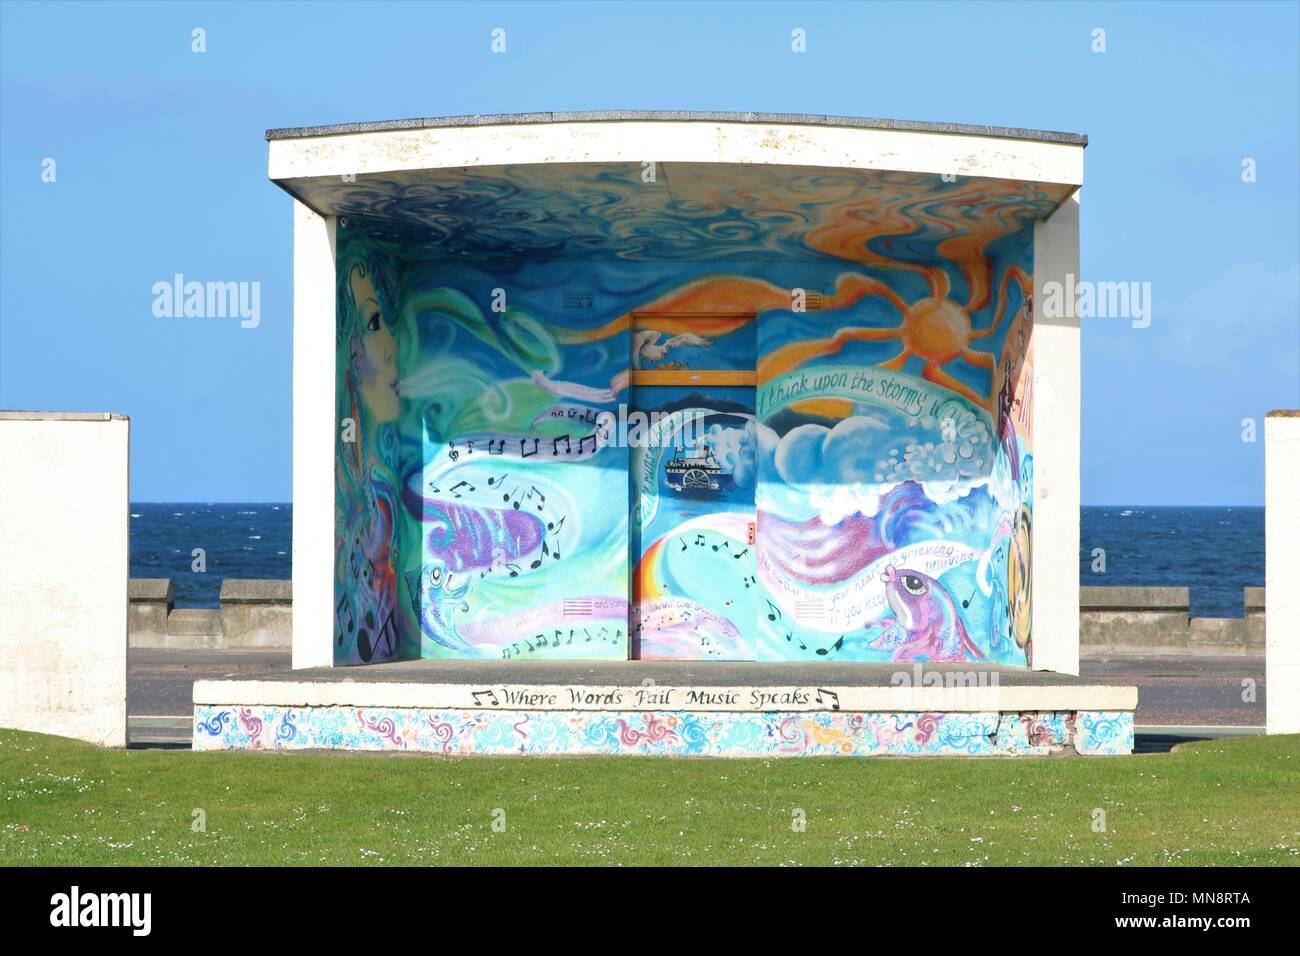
(1216, 551)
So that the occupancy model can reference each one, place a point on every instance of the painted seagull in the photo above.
(646, 346)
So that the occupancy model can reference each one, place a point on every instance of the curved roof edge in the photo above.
(607, 116)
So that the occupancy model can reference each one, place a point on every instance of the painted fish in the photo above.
(926, 622)
(434, 598)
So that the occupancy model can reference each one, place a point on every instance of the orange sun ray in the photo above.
(1026, 285)
(896, 363)
(789, 357)
(933, 373)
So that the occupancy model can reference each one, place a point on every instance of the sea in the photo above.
(1216, 552)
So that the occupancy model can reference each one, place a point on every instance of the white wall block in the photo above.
(1282, 571)
(1055, 556)
(64, 552)
(314, 430)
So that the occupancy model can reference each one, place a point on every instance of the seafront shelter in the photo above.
(745, 409)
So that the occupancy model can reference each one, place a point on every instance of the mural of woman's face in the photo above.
(374, 355)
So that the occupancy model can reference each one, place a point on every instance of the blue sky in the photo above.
(161, 168)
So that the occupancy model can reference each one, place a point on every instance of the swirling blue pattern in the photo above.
(213, 724)
(1104, 732)
(675, 733)
(287, 730)
(506, 217)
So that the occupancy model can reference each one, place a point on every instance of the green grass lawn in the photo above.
(1219, 802)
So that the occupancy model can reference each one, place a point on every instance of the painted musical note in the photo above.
(836, 647)
(478, 694)
(461, 484)
(344, 604)
(828, 693)
(773, 612)
(387, 636)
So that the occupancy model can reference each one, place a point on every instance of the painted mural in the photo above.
(667, 733)
(514, 485)
(695, 586)
(894, 495)
(500, 489)
(367, 510)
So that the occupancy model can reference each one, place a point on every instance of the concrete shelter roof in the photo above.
(614, 116)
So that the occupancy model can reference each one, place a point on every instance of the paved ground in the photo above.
(1202, 694)
(160, 682)
(1206, 692)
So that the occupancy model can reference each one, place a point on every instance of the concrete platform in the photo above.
(668, 708)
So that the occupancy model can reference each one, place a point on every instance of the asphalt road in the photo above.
(1204, 693)
(160, 682)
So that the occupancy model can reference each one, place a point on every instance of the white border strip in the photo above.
(741, 698)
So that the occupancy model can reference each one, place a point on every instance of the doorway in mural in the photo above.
(694, 579)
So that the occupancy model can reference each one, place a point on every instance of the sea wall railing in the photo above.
(253, 614)
(1145, 622)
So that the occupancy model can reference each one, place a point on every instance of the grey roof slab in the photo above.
(25, 416)
(691, 116)
(668, 673)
